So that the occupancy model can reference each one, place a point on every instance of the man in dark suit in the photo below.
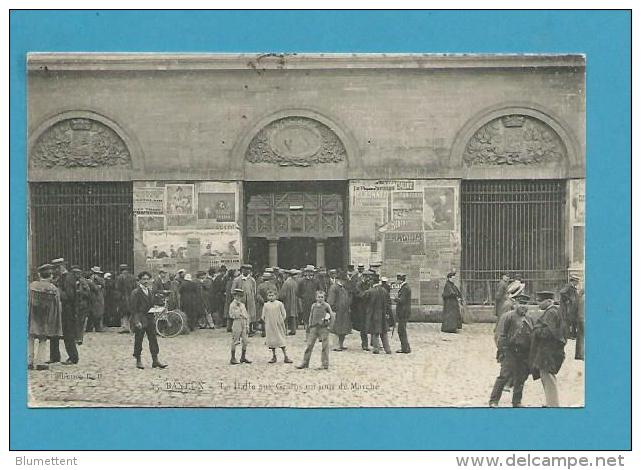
(403, 312)
(141, 301)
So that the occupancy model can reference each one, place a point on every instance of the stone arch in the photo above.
(514, 115)
(83, 139)
(310, 121)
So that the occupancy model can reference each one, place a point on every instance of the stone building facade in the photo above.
(423, 162)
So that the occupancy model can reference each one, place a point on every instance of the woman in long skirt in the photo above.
(451, 308)
(274, 316)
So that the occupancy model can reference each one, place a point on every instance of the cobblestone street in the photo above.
(442, 370)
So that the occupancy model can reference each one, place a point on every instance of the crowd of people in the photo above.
(275, 303)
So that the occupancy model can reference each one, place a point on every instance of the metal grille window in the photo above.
(513, 226)
(86, 223)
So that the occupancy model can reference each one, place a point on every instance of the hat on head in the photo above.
(239, 291)
(201, 273)
(361, 265)
(350, 267)
(369, 272)
(310, 267)
(375, 264)
(45, 267)
(75, 267)
(181, 270)
(276, 268)
(384, 279)
(267, 275)
(96, 269)
(333, 271)
(123, 266)
(246, 266)
(544, 295)
(269, 270)
(522, 298)
(574, 277)
(57, 261)
(187, 277)
(107, 275)
(295, 271)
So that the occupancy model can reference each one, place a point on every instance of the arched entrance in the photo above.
(295, 194)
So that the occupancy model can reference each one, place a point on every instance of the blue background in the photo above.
(605, 422)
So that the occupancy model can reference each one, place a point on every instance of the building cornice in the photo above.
(277, 61)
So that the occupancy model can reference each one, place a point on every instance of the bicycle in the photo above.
(169, 323)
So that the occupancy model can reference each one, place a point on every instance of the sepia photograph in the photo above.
(306, 230)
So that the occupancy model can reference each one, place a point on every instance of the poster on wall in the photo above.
(365, 224)
(407, 210)
(578, 201)
(439, 208)
(206, 247)
(217, 207)
(150, 222)
(402, 245)
(147, 200)
(180, 200)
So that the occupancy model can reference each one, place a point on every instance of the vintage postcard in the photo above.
(306, 230)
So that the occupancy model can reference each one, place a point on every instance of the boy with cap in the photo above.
(45, 316)
(247, 284)
(547, 352)
(240, 326)
(318, 329)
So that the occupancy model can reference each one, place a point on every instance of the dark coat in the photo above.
(125, 284)
(569, 303)
(404, 303)
(499, 298)
(306, 291)
(191, 300)
(217, 293)
(547, 350)
(378, 308)
(451, 308)
(139, 305)
(338, 299)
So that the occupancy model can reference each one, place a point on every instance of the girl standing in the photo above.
(274, 316)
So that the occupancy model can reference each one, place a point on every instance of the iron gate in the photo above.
(513, 226)
(85, 223)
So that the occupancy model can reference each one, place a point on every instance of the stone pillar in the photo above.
(273, 252)
(320, 252)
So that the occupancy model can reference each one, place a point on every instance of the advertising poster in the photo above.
(365, 224)
(440, 208)
(407, 210)
(218, 207)
(402, 245)
(180, 199)
(150, 222)
(148, 200)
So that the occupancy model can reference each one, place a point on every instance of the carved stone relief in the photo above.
(73, 143)
(514, 140)
(296, 141)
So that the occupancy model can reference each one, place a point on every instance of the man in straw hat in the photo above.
(547, 351)
(45, 316)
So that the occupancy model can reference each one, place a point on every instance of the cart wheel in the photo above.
(170, 325)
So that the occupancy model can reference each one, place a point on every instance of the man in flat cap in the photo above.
(143, 321)
(247, 284)
(403, 312)
(547, 351)
(513, 337)
(45, 316)
(125, 284)
(569, 304)
(65, 282)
